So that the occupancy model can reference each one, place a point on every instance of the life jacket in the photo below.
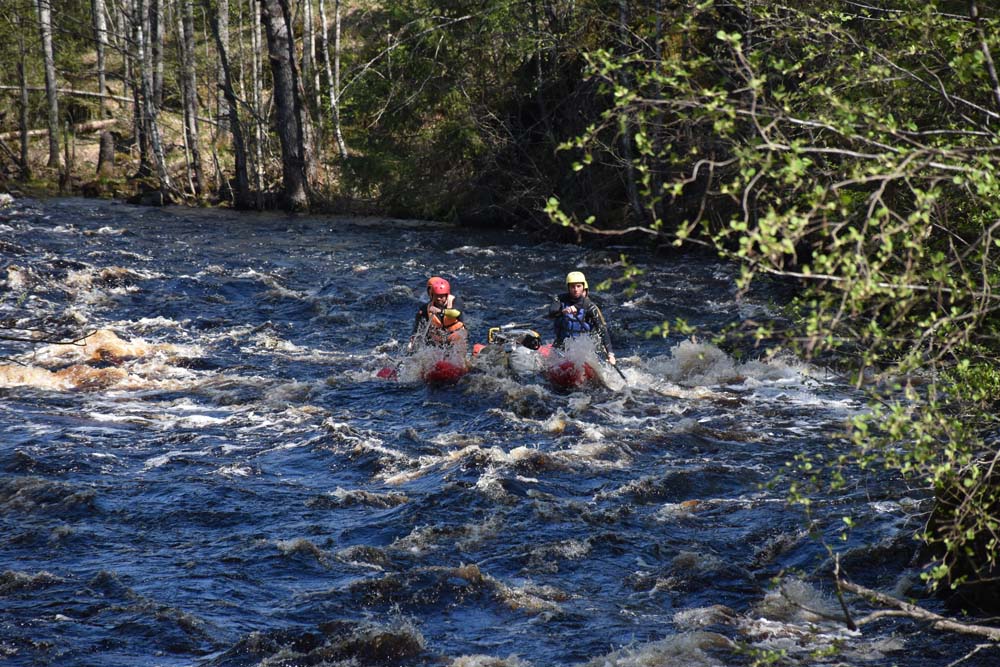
(443, 329)
(572, 325)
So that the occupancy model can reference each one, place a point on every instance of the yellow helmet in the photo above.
(577, 277)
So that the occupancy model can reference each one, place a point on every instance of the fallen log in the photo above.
(912, 611)
(79, 128)
(77, 93)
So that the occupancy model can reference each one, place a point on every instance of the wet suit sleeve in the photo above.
(596, 319)
(555, 308)
(420, 318)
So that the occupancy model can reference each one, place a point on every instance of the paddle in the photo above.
(619, 371)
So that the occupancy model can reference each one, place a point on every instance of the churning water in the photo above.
(218, 476)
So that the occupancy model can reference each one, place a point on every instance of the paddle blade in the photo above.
(619, 371)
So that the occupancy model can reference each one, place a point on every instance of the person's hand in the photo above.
(433, 309)
(611, 359)
(570, 310)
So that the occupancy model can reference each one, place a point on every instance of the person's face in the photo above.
(440, 300)
(575, 290)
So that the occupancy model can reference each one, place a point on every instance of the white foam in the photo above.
(472, 251)
(158, 322)
(487, 661)
(235, 470)
(682, 650)
(167, 457)
(694, 364)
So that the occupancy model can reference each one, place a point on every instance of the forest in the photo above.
(306, 105)
(847, 148)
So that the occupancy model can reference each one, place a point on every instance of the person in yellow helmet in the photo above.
(440, 319)
(574, 314)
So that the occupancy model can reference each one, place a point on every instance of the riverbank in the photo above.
(342, 186)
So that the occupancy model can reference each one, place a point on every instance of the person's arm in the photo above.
(555, 308)
(596, 318)
(459, 309)
(418, 320)
(453, 322)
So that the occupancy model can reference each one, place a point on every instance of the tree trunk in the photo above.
(191, 93)
(134, 68)
(69, 159)
(309, 68)
(150, 109)
(5, 149)
(155, 39)
(221, 31)
(256, 67)
(301, 104)
(106, 156)
(101, 43)
(333, 75)
(288, 103)
(23, 111)
(45, 25)
(242, 195)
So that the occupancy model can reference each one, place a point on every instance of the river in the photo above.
(217, 476)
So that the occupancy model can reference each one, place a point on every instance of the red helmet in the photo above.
(438, 286)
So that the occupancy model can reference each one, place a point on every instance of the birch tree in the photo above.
(44, 8)
(310, 70)
(99, 16)
(190, 91)
(220, 23)
(134, 68)
(333, 73)
(257, 93)
(155, 39)
(150, 110)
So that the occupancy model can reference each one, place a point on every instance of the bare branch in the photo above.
(935, 621)
(979, 647)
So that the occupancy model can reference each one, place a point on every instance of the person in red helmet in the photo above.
(439, 321)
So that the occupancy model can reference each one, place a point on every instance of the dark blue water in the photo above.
(217, 476)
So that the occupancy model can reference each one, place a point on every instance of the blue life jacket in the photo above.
(571, 326)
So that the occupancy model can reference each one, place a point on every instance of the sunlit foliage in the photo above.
(853, 149)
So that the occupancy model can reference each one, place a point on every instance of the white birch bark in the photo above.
(44, 8)
(99, 12)
(150, 110)
(333, 73)
(190, 89)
